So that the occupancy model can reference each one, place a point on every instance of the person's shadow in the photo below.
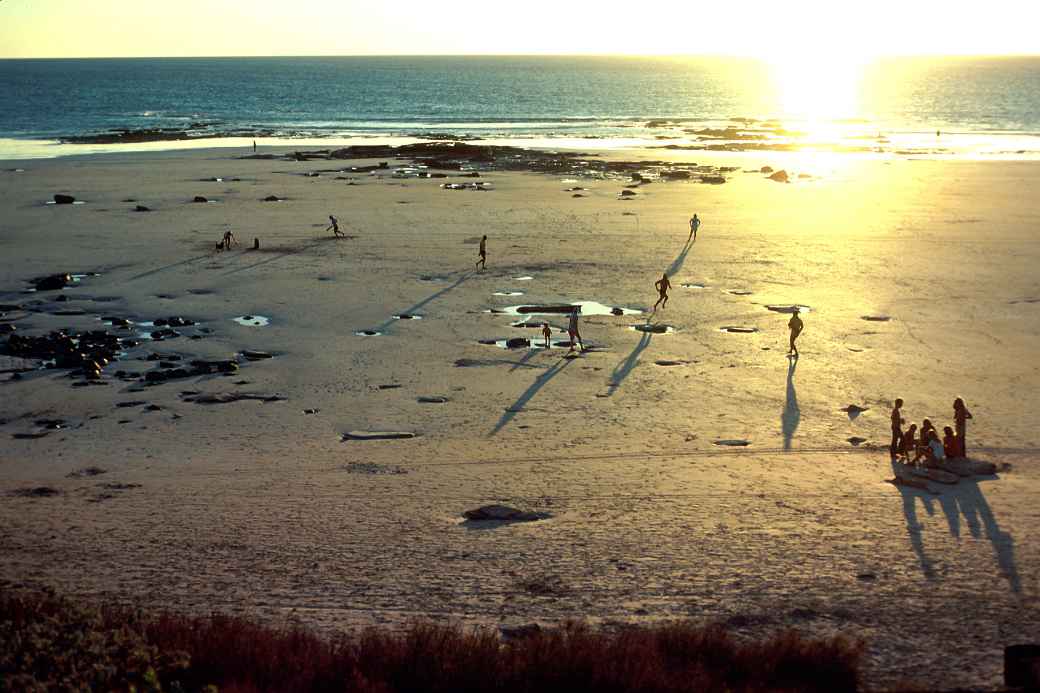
(791, 415)
(913, 527)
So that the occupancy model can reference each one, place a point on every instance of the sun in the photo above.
(818, 89)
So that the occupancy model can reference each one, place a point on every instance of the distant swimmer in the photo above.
(572, 328)
(662, 285)
(546, 333)
(695, 224)
(796, 326)
(334, 226)
(482, 262)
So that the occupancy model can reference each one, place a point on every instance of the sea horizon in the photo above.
(984, 107)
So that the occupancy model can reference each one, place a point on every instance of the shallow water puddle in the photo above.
(407, 316)
(525, 343)
(253, 320)
(524, 278)
(653, 329)
(587, 308)
(693, 285)
(508, 293)
(65, 204)
(368, 333)
(789, 308)
(739, 292)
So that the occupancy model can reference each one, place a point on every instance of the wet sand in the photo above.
(240, 491)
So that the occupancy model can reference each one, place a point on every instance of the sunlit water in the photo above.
(972, 107)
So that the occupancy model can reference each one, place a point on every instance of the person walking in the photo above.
(482, 262)
(572, 328)
(897, 427)
(662, 285)
(960, 422)
(695, 224)
(546, 333)
(796, 326)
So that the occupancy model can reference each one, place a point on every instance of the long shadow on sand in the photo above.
(677, 264)
(965, 499)
(284, 254)
(628, 364)
(157, 270)
(421, 304)
(540, 382)
(791, 415)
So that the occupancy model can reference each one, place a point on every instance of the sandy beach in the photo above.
(261, 507)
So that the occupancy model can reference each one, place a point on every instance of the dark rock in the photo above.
(199, 198)
(53, 282)
(779, 176)
(272, 198)
(518, 343)
(63, 298)
(37, 492)
(1022, 666)
(60, 199)
(153, 407)
(255, 355)
(141, 208)
(627, 193)
(766, 169)
(713, 180)
(503, 513)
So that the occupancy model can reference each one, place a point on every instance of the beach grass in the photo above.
(51, 643)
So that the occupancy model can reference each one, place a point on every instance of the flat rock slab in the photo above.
(228, 397)
(378, 435)
(432, 400)
(503, 513)
(734, 443)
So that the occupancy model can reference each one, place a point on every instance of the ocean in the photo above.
(980, 107)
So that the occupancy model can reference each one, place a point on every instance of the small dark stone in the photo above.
(199, 198)
(779, 176)
(60, 199)
(141, 208)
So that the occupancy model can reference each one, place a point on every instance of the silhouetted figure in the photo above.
(960, 421)
(546, 333)
(334, 226)
(908, 444)
(933, 449)
(254, 146)
(662, 285)
(572, 328)
(482, 262)
(695, 224)
(950, 443)
(897, 428)
(227, 241)
(796, 326)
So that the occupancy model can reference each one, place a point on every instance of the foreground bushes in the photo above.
(49, 643)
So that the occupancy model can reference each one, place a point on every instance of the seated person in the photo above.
(908, 443)
(933, 451)
(927, 429)
(951, 446)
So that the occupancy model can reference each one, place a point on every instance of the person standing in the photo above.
(254, 146)
(960, 422)
(572, 328)
(796, 326)
(662, 285)
(546, 333)
(695, 224)
(897, 427)
(482, 262)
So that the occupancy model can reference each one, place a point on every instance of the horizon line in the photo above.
(745, 56)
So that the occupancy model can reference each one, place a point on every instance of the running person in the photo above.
(334, 226)
(662, 285)
(482, 262)
(695, 224)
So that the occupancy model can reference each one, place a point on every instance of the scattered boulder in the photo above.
(141, 208)
(503, 513)
(856, 441)
(432, 400)
(627, 193)
(60, 199)
(255, 355)
(53, 282)
(779, 176)
(766, 169)
(199, 198)
(36, 492)
(736, 443)
(272, 198)
(518, 343)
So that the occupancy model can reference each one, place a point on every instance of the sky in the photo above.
(780, 29)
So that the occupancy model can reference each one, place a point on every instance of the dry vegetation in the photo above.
(50, 643)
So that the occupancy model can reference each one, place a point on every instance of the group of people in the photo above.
(915, 446)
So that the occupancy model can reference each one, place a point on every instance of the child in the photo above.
(908, 444)
(950, 443)
(546, 332)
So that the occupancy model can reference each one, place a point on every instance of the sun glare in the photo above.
(818, 91)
